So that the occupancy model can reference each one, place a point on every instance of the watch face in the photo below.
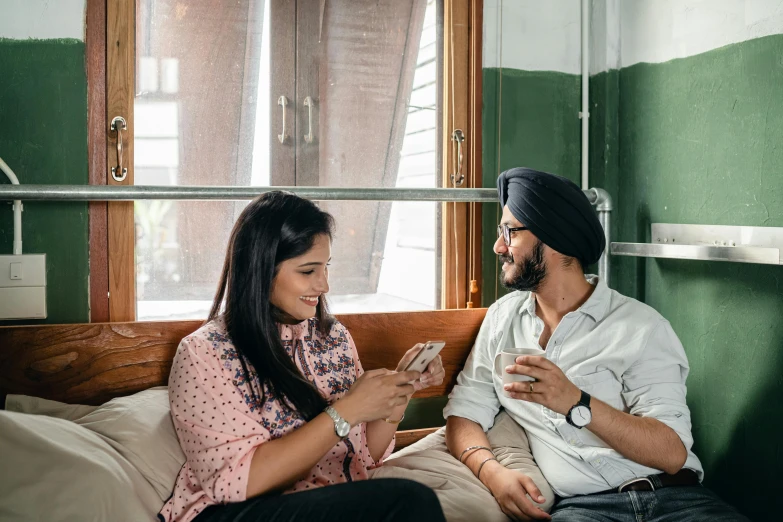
(342, 428)
(581, 415)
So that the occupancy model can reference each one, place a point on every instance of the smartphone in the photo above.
(425, 356)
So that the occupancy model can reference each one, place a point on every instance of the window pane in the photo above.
(209, 79)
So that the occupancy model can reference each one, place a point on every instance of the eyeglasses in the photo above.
(505, 231)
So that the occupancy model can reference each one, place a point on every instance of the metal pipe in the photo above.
(139, 192)
(603, 263)
(597, 197)
(17, 247)
(585, 113)
(603, 205)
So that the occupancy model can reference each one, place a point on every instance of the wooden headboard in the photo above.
(92, 363)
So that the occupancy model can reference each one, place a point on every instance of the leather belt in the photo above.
(684, 477)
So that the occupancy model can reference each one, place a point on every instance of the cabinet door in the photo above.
(359, 65)
(279, 121)
(338, 93)
(209, 77)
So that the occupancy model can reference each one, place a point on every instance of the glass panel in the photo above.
(209, 77)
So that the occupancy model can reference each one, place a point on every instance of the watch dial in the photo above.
(343, 429)
(581, 416)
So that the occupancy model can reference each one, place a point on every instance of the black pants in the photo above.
(383, 500)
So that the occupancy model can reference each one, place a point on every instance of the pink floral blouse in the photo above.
(220, 425)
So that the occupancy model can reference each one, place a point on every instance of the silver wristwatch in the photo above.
(341, 426)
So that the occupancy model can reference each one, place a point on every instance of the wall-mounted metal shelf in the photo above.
(709, 243)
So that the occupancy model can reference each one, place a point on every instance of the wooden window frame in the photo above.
(461, 224)
(95, 50)
(110, 46)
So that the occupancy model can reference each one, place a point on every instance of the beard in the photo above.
(530, 272)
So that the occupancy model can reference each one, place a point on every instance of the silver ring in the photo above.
(531, 387)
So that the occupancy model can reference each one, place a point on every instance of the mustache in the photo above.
(507, 258)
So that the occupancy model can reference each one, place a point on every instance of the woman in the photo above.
(269, 395)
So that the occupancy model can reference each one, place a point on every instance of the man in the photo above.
(606, 415)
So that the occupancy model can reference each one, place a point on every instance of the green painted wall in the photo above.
(536, 116)
(43, 138)
(694, 140)
(702, 142)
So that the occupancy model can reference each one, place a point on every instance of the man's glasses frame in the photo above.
(505, 231)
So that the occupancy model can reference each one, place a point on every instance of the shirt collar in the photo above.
(295, 328)
(595, 306)
(528, 305)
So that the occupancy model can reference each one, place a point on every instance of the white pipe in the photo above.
(17, 209)
(585, 114)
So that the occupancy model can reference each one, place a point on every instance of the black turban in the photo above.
(555, 210)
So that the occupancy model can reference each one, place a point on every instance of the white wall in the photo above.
(604, 35)
(661, 30)
(42, 19)
(533, 35)
(545, 35)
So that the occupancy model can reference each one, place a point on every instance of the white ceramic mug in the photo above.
(504, 359)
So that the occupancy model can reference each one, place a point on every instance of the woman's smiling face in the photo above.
(301, 281)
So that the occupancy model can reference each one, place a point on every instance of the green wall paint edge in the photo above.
(59, 41)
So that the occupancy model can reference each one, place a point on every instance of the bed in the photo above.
(100, 440)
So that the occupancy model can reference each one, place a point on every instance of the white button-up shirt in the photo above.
(613, 347)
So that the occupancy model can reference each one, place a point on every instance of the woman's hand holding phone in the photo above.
(375, 395)
(433, 375)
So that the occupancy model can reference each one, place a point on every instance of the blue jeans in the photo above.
(675, 504)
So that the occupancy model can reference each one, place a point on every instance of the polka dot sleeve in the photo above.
(214, 421)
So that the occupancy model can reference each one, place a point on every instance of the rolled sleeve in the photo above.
(654, 386)
(474, 397)
(214, 424)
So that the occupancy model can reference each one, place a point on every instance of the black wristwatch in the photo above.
(580, 413)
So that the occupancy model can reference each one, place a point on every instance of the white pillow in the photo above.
(140, 426)
(57, 471)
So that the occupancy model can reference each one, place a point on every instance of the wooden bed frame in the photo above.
(92, 363)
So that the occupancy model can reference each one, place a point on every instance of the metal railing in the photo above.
(139, 192)
(598, 197)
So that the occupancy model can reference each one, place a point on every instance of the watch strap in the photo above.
(331, 412)
(337, 419)
(584, 400)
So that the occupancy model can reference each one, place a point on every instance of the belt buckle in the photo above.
(633, 481)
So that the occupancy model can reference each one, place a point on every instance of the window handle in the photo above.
(458, 178)
(283, 102)
(308, 102)
(118, 124)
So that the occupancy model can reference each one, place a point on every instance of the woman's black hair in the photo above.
(274, 227)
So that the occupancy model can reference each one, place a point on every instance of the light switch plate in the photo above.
(23, 286)
(16, 270)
